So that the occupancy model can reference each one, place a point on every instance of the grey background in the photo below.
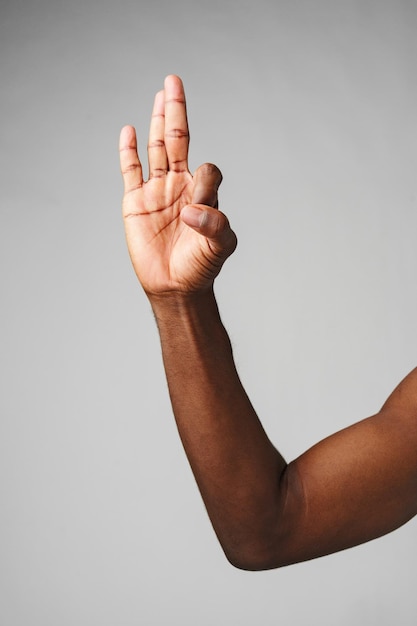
(309, 108)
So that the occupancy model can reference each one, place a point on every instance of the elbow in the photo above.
(251, 563)
(256, 555)
(255, 562)
(243, 561)
(271, 540)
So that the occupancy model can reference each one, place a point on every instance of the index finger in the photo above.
(207, 180)
(177, 136)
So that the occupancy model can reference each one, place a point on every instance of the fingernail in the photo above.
(193, 216)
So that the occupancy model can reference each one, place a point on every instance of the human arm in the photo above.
(356, 485)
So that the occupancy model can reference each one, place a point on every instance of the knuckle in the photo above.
(179, 166)
(175, 101)
(131, 167)
(127, 148)
(177, 133)
(158, 172)
(217, 222)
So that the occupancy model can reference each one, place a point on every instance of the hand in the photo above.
(177, 239)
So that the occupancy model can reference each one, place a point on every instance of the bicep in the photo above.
(353, 486)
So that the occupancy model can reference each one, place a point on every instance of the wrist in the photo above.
(179, 303)
(189, 315)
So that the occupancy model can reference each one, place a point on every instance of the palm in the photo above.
(166, 254)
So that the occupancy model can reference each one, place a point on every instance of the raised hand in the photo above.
(177, 238)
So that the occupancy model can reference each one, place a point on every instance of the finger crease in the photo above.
(178, 166)
(135, 188)
(177, 133)
(177, 100)
(158, 172)
(131, 168)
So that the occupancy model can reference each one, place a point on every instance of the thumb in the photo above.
(212, 224)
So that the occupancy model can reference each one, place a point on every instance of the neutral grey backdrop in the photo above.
(309, 108)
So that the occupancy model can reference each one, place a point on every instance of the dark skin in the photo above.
(354, 486)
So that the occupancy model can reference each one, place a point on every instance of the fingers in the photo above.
(157, 156)
(129, 161)
(168, 138)
(202, 215)
(176, 126)
(167, 145)
(212, 224)
(207, 180)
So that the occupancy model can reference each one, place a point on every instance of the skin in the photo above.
(354, 486)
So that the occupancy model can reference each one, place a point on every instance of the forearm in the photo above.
(240, 474)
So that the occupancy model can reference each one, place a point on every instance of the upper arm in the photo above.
(353, 486)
